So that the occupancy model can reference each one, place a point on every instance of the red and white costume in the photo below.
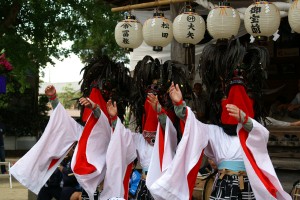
(163, 152)
(125, 146)
(250, 147)
(89, 159)
(88, 163)
(120, 154)
(38, 164)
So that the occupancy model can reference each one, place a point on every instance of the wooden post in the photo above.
(177, 50)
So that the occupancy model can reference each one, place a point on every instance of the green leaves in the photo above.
(32, 31)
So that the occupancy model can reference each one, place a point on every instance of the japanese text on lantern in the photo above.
(255, 19)
(165, 26)
(125, 32)
(191, 27)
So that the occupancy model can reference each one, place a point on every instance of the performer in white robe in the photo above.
(165, 145)
(124, 145)
(121, 153)
(106, 154)
(89, 159)
(103, 79)
(244, 157)
(38, 164)
(155, 143)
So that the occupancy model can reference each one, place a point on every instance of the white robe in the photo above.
(99, 134)
(143, 148)
(167, 141)
(173, 183)
(121, 153)
(32, 170)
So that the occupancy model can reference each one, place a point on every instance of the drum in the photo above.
(295, 193)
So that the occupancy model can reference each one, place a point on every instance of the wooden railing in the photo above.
(284, 147)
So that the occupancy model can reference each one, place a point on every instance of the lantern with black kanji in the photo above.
(188, 28)
(294, 16)
(158, 31)
(223, 21)
(128, 33)
(262, 18)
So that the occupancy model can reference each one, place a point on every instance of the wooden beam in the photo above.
(148, 5)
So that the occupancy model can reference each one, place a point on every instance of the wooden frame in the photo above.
(148, 5)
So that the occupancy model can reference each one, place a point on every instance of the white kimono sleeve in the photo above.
(88, 161)
(173, 184)
(257, 144)
(38, 164)
(163, 152)
(121, 153)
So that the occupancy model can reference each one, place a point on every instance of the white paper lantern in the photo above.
(158, 31)
(188, 28)
(128, 33)
(262, 19)
(223, 22)
(294, 16)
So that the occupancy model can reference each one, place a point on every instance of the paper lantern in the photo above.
(262, 19)
(294, 16)
(188, 28)
(128, 33)
(223, 21)
(158, 31)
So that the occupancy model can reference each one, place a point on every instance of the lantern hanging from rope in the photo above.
(262, 19)
(188, 27)
(223, 21)
(158, 31)
(294, 16)
(128, 33)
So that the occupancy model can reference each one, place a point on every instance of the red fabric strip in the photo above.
(243, 135)
(97, 98)
(192, 176)
(126, 180)
(171, 114)
(53, 97)
(161, 146)
(81, 165)
(53, 162)
(178, 103)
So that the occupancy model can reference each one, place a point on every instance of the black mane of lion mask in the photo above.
(151, 76)
(229, 63)
(112, 78)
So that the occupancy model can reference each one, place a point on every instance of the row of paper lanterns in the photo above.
(262, 18)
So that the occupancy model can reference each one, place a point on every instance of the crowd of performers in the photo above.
(168, 140)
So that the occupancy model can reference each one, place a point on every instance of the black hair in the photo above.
(221, 62)
(152, 76)
(112, 78)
